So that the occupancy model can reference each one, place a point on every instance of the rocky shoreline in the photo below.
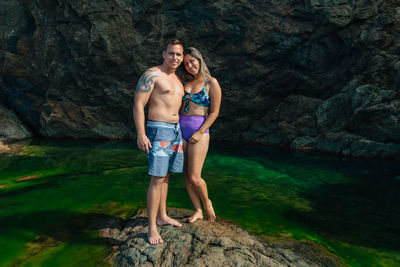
(221, 243)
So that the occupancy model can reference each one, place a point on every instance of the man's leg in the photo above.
(153, 198)
(162, 217)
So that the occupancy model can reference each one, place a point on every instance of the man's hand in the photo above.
(195, 137)
(143, 143)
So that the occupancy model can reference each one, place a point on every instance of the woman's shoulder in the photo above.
(211, 81)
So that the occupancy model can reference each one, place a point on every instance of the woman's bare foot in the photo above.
(168, 220)
(198, 214)
(210, 211)
(154, 237)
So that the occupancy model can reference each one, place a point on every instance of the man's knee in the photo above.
(166, 178)
(157, 181)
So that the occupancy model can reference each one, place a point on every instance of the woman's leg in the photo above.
(196, 154)
(198, 213)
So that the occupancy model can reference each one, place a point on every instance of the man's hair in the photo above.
(172, 42)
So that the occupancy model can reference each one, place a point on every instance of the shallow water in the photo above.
(350, 206)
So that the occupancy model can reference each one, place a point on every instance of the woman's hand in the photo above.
(195, 137)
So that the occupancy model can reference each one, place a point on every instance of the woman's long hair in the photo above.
(186, 76)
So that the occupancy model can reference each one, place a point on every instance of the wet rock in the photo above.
(355, 145)
(11, 128)
(221, 243)
(335, 142)
(380, 122)
(363, 147)
(367, 112)
(3, 147)
(304, 143)
(334, 112)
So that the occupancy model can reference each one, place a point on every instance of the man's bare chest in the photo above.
(169, 87)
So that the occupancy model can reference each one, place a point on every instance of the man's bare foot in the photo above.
(168, 220)
(198, 214)
(210, 211)
(154, 237)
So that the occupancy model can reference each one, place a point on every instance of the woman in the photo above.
(199, 110)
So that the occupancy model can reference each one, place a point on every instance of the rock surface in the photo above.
(3, 147)
(11, 128)
(205, 244)
(292, 72)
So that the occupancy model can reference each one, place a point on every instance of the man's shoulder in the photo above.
(154, 69)
(154, 73)
(148, 80)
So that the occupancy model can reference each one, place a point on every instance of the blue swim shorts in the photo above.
(166, 154)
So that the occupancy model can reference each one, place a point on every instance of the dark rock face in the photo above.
(205, 244)
(290, 70)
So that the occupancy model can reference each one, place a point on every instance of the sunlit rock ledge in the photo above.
(202, 243)
(11, 127)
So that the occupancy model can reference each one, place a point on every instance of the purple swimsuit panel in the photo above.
(190, 124)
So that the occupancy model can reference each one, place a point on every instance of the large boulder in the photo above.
(380, 122)
(11, 128)
(352, 145)
(201, 243)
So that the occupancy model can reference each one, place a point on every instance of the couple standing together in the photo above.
(183, 105)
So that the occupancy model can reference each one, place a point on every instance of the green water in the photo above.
(349, 206)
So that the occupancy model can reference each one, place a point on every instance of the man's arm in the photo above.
(143, 91)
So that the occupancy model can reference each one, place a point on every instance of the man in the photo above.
(161, 140)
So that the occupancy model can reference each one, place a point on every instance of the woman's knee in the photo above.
(195, 180)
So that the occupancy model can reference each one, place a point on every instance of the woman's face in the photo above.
(192, 64)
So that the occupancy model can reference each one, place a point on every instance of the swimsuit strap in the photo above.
(204, 88)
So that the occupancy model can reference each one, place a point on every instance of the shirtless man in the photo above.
(161, 139)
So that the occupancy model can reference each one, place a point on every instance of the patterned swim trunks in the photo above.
(166, 154)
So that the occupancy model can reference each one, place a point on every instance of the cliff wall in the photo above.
(315, 74)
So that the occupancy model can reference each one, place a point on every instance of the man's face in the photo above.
(173, 56)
